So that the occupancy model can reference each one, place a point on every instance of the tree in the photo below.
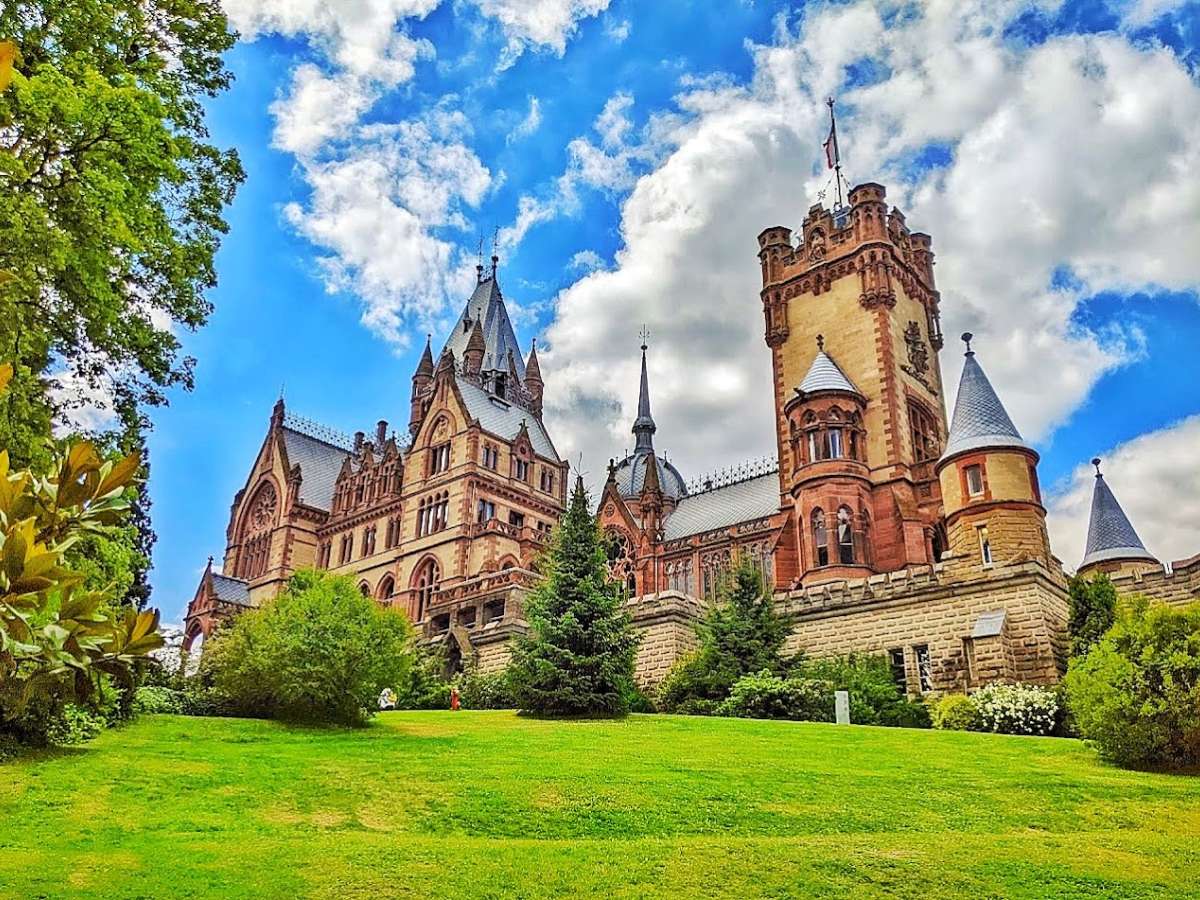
(57, 638)
(111, 200)
(319, 652)
(1136, 693)
(577, 658)
(1093, 606)
(742, 634)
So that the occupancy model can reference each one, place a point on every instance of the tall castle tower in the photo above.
(851, 317)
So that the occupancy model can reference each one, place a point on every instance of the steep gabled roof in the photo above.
(486, 305)
(826, 375)
(230, 590)
(504, 419)
(1110, 533)
(980, 419)
(319, 461)
(742, 501)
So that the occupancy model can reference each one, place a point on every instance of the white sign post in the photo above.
(841, 705)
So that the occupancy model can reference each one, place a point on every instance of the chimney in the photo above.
(380, 433)
(358, 441)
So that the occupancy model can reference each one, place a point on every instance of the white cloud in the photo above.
(1157, 482)
(538, 24)
(586, 261)
(318, 108)
(1080, 154)
(618, 29)
(529, 124)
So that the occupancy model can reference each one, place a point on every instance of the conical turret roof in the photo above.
(1110, 533)
(486, 307)
(533, 371)
(980, 419)
(826, 375)
(425, 366)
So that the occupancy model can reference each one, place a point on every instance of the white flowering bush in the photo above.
(1016, 708)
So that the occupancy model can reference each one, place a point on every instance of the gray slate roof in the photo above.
(504, 419)
(231, 590)
(631, 475)
(487, 306)
(980, 419)
(826, 375)
(319, 463)
(1110, 534)
(754, 498)
(989, 624)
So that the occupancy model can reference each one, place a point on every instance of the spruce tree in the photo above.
(577, 659)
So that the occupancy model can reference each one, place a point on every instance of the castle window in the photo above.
(820, 537)
(1033, 483)
(924, 668)
(926, 443)
(358, 493)
(835, 443)
(845, 528)
(364, 589)
(425, 583)
(899, 675)
(679, 575)
(387, 587)
(516, 519)
(493, 611)
(491, 457)
(439, 458)
(547, 480)
(346, 549)
(433, 513)
(521, 469)
(485, 510)
(940, 542)
(975, 480)
(813, 447)
(985, 546)
(500, 385)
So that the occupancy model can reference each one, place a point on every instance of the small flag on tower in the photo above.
(830, 153)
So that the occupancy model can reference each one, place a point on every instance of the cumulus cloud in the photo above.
(538, 24)
(1157, 482)
(1080, 155)
(586, 261)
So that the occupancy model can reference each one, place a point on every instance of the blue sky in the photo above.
(629, 154)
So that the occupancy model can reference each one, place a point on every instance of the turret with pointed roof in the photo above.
(533, 380)
(1112, 543)
(988, 476)
(631, 472)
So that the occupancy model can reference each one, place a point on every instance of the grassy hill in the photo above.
(486, 804)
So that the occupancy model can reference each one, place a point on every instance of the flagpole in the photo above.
(837, 157)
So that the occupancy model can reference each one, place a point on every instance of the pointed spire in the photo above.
(476, 347)
(826, 375)
(425, 366)
(980, 419)
(533, 371)
(651, 484)
(643, 425)
(1110, 533)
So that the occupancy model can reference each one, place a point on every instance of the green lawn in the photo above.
(485, 804)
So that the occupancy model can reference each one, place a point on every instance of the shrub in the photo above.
(742, 634)
(479, 691)
(1136, 694)
(955, 712)
(425, 686)
(75, 724)
(767, 696)
(320, 652)
(1093, 606)
(1016, 708)
(150, 699)
(875, 698)
(59, 642)
(641, 702)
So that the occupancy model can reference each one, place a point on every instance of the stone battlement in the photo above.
(1181, 584)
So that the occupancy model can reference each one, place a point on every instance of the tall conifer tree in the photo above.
(577, 658)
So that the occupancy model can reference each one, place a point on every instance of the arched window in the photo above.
(621, 565)
(925, 439)
(820, 537)
(940, 543)
(425, 582)
(387, 587)
(364, 589)
(845, 534)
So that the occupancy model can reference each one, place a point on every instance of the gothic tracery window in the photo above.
(621, 564)
(925, 438)
(425, 582)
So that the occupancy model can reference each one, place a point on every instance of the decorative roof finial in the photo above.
(821, 342)
(967, 337)
(495, 243)
(644, 334)
(1096, 463)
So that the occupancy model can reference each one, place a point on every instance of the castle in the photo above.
(883, 528)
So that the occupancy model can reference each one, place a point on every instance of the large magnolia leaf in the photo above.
(120, 475)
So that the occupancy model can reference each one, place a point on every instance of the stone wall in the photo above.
(1181, 585)
(667, 623)
(1010, 625)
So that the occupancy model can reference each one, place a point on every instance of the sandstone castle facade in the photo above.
(884, 527)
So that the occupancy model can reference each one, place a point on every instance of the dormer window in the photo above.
(491, 457)
(499, 385)
(521, 469)
(547, 481)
